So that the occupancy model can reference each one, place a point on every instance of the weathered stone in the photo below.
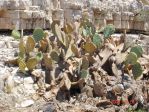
(109, 16)
(117, 24)
(63, 4)
(14, 44)
(24, 14)
(15, 4)
(126, 16)
(38, 14)
(117, 16)
(138, 25)
(28, 80)
(27, 103)
(2, 44)
(38, 23)
(26, 24)
(11, 14)
(68, 15)
(74, 6)
(102, 23)
(146, 26)
(57, 14)
(9, 23)
(34, 8)
(125, 24)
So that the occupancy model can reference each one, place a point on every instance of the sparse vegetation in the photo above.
(78, 55)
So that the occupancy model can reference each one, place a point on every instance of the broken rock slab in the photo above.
(15, 4)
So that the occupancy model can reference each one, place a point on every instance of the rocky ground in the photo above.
(24, 97)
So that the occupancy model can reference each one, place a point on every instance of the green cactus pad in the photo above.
(39, 56)
(21, 48)
(16, 34)
(86, 31)
(108, 30)
(22, 65)
(97, 40)
(30, 44)
(138, 50)
(137, 70)
(31, 63)
(54, 55)
(89, 47)
(38, 34)
(131, 58)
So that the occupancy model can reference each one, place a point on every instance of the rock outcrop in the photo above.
(28, 14)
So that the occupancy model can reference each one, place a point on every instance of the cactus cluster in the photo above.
(77, 52)
(28, 56)
(135, 53)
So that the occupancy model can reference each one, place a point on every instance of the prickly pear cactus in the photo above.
(131, 58)
(16, 34)
(108, 31)
(31, 63)
(30, 44)
(138, 50)
(38, 34)
(137, 70)
(22, 49)
(87, 29)
(48, 62)
(54, 56)
(86, 32)
(90, 47)
(39, 56)
(22, 65)
(97, 40)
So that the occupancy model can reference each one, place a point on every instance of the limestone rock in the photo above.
(27, 103)
(29, 14)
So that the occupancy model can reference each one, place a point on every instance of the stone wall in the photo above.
(22, 14)
(28, 14)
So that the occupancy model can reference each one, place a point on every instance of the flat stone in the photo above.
(14, 44)
(27, 103)
(28, 80)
